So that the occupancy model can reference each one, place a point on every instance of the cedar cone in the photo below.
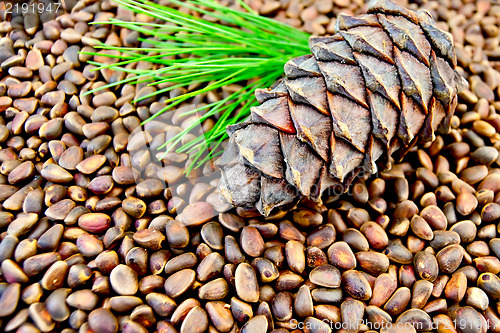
(384, 81)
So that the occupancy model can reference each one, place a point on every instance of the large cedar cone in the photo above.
(384, 81)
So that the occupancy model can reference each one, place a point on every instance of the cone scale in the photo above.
(385, 81)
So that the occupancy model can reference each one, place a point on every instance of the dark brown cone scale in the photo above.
(383, 82)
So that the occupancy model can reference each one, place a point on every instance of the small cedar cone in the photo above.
(384, 81)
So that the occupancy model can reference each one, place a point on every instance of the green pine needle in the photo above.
(188, 50)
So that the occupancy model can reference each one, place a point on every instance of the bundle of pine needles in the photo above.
(230, 47)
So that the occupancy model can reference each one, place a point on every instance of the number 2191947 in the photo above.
(25, 8)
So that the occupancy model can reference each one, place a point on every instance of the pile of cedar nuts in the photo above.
(91, 239)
